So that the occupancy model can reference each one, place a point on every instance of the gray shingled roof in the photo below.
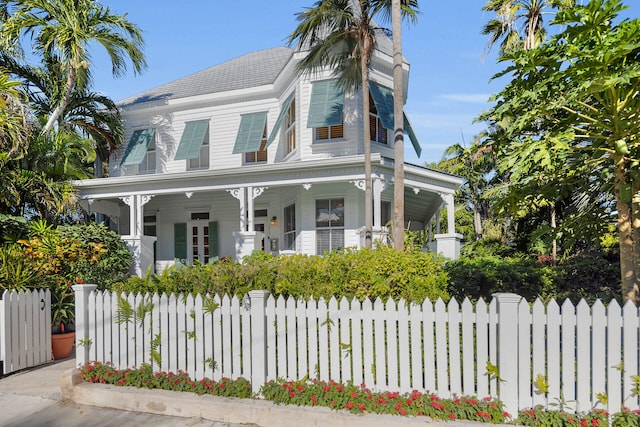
(246, 71)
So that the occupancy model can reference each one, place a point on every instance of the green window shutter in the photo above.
(213, 239)
(383, 99)
(412, 136)
(192, 138)
(283, 112)
(325, 108)
(180, 240)
(250, 133)
(138, 146)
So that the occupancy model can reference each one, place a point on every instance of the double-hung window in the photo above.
(251, 139)
(329, 225)
(377, 131)
(141, 151)
(194, 145)
(290, 127)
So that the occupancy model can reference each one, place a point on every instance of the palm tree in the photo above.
(65, 29)
(341, 35)
(89, 114)
(519, 23)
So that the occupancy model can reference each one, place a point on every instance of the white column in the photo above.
(250, 209)
(438, 221)
(378, 188)
(241, 195)
(451, 213)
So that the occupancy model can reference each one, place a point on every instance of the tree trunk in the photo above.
(368, 199)
(628, 277)
(71, 81)
(477, 223)
(398, 128)
(635, 226)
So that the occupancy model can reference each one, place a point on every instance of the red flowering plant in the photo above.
(144, 377)
(360, 399)
(539, 416)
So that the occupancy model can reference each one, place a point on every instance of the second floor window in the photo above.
(326, 110)
(202, 161)
(378, 132)
(290, 127)
(330, 132)
(148, 163)
(259, 156)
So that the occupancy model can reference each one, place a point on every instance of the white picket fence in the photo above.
(581, 352)
(25, 329)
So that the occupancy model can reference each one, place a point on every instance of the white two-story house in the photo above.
(248, 155)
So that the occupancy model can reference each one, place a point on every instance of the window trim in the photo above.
(330, 227)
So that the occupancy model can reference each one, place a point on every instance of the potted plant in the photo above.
(62, 320)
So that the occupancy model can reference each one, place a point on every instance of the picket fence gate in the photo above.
(25, 329)
(582, 352)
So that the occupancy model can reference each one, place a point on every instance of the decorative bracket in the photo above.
(128, 200)
(145, 199)
(257, 191)
(235, 192)
(189, 194)
(359, 183)
(306, 186)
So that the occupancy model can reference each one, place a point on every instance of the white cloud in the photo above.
(467, 98)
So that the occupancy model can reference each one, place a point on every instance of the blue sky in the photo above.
(450, 67)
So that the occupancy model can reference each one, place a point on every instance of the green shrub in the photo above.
(590, 276)
(367, 273)
(109, 259)
(480, 277)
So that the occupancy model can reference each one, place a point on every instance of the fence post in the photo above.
(258, 301)
(82, 321)
(507, 362)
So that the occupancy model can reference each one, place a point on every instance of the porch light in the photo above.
(274, 220)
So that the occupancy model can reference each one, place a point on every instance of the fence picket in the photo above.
(302, 328)
(583, 356)
(334, 339)
(403, 347)
(442, 350)
(272, 335)
(428, 328)
(236, 343)
(417, 367)
(356, 342)
(379, 345)
(599, 365)
(216, 330)
(614, 352)
(568, 352)
(630, 345)
(482, 349)
(453, 309)
(292, 359)
(323, 339)
(281, 334)
(312, 334)
(345, 340)
(524, 340)
(367, 342)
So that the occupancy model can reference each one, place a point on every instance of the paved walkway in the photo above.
(32, 398)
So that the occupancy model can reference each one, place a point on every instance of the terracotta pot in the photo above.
(61, 345)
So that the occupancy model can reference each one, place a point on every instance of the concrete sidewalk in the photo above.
(32, 397)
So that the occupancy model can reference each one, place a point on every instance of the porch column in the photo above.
(241, 195)
(448, 244)
(252, 193)
(451, 212)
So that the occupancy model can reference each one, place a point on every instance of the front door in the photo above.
(260, 225)
(199, 239)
